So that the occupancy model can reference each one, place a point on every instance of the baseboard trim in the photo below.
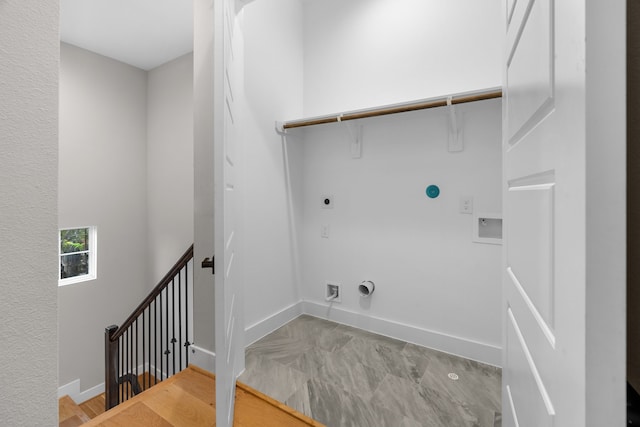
(89, 393)
(470, 349)
(203, 358)
(264, 327)
(73, 390)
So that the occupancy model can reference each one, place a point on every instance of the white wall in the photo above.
(169, 163)
(419, 251)
(28, 211)
(363, 53)
(273, 90)
(102, 182)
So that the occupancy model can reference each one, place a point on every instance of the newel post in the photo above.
(110, 368)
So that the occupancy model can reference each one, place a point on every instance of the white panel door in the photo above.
(229, 319)
(544, 146)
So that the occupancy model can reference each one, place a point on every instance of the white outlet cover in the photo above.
(466, 204)
(326, 201)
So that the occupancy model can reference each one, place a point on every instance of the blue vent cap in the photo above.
(433, 191)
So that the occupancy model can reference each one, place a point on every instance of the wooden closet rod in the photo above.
(394, 109)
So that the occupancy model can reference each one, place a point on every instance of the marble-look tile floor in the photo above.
(343, 376)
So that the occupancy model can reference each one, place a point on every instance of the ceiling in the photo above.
(142, 33)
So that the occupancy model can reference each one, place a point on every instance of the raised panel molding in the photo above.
(530, 254)
(529, 400)
(531, 78)
(511, 6)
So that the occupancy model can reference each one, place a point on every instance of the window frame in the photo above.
(92, 251)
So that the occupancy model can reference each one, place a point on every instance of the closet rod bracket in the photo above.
(456, 143)
(280, 128)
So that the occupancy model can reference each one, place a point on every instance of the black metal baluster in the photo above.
(173, 323)
(149, 339)
(126, 360)
(166, 318)
(155, 341)
(186, 316)
(120, 368)
(144, 360)
(130, 371)
(161, 342)
(137, 349)
(180, 319)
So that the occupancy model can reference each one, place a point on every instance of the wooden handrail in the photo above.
(166, 280)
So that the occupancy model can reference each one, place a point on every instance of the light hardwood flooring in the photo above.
(70, 414)
(347, 377)
(187, 399)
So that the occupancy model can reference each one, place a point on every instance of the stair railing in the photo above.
(154, 341)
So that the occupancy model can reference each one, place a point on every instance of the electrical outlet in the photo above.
(326, 201)
(324, 231)
(332, 292)
(466, 205)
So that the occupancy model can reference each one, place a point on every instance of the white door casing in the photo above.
(229, 303)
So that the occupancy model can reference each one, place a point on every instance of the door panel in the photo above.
(544, 186)
(228, 75)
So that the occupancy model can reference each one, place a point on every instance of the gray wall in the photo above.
(203, 304)
(633, 194)
(103, 183)
(169, 163)
(28, 211)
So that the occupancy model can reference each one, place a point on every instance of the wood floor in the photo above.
(188, 400)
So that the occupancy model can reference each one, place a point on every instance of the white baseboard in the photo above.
(203, 358)
(470, 349)
(264, 327)
(89, 393)
(73, 390)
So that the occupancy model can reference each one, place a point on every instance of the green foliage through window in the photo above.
(75, 252)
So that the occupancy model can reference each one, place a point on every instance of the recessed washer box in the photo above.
(487, 228)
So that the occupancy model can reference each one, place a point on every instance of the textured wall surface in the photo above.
(28, 211)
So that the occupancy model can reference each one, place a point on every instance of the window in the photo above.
(77, 255)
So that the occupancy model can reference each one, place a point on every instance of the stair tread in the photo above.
(94, 406)
(70, 414)
(188, 399)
